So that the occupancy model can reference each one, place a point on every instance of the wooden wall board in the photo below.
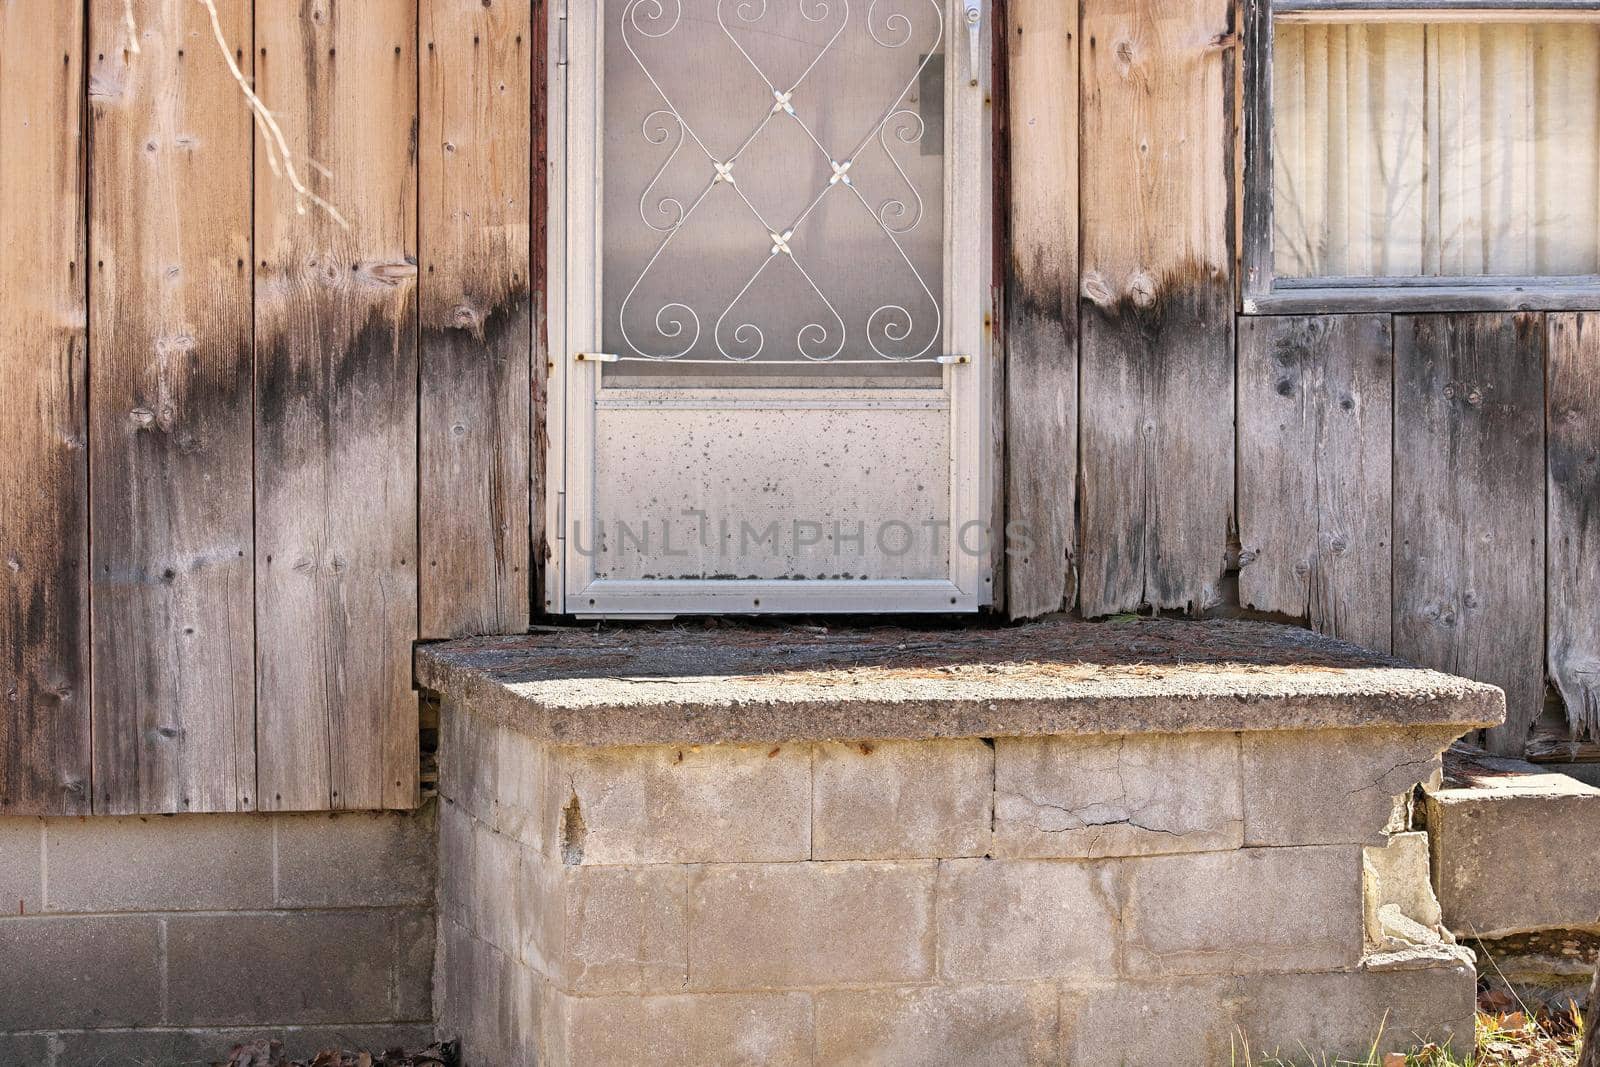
(336, 407)
(1041, 354)
(1156, 380)
(172, 566)
(539, 369)
(1469, 506)
(1573, 465)
(1316, 437)
(476, 316)
(44, 603)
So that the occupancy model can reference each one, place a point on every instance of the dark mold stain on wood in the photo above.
(375, 360)
(475, 372)
(1158, 493)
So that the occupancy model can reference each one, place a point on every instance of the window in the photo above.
(1418, 156)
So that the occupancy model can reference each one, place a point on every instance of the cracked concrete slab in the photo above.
(630, 685)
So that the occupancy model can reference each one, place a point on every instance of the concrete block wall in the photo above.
(1142, 899)
(167, 939)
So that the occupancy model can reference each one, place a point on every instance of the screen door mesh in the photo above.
(773, 182)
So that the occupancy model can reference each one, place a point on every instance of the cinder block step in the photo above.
(1065, 843)
(1497, 865)
(1516, 866)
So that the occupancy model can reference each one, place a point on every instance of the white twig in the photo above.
(279, 158)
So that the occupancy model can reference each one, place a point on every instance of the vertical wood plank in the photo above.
(1469, 522)
(170, 435)
(476, 316)
(1041, 442)
(44, 614)
(1316, 434)
(1156, 392)
(997, 233)
(336, 408)
(539, 478)
(1573, 451)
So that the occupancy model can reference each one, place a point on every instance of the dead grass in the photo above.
(1548, 1041)
(1512, 1039)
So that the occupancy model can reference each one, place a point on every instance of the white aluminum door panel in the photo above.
(802, 485)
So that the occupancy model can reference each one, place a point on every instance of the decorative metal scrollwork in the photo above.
(909, 129)
(669, 206)
(891, 331)
(897, 22)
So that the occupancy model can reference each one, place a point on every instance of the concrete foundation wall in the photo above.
(1085, 900)
(165, 940)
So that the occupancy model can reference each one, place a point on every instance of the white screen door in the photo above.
(770, 348)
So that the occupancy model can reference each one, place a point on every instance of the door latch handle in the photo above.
(973, 12)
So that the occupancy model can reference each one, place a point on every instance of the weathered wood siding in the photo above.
(1041, 359)
(1316, 439)
(170, 331)
(238, 397)
(1573, 566)
(44, 505)
(476, 316)
(296, 445)
(1391, 470)
(1469, 503)
(1156, 390)
(1480, 442)
(336, 409)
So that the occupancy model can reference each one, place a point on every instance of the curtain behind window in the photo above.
(1410, 150)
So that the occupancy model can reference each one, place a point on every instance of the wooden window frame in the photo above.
(1266, 293)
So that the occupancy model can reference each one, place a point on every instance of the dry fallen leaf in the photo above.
(1496, 1000)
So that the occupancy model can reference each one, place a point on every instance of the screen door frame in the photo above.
(576, 62)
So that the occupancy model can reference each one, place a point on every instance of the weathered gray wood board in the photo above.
(1041, 404)
(1573, 464)
(539, 370)
(44, 609)
(1316, 436)
(998, 230)
(172, 582)
(476, 317)
(1156, 393)
(1469, 522)
(336, 409)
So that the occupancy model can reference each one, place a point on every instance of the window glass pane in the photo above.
(773, 187)
(1449, 149)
